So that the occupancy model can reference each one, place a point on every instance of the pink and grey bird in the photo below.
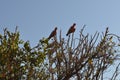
(53, 33)
(71, 29)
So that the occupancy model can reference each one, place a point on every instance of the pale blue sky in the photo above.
(37, 18)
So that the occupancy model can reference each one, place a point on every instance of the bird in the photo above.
(53, 33)
(71, 29)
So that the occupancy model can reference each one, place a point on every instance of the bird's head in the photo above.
(55, 28)
(74, 24)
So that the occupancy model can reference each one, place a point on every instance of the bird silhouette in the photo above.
(71, 29)
(53, 33)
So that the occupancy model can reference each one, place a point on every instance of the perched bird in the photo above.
(53, 33)
(72, 29)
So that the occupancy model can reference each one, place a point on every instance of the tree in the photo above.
(84, 58)
(17, 59)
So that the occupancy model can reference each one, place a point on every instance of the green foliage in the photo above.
(17, 59)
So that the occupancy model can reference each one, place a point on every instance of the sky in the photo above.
(37, 18)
